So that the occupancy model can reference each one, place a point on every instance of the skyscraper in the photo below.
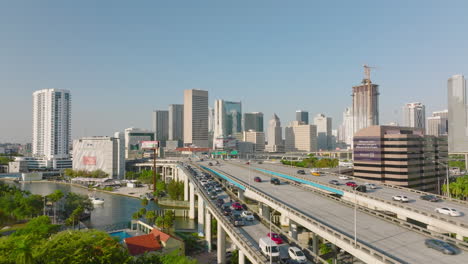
(275, 137)
(457, 114)
(414, 115)
(176, 122)
(161, 125)
(302, 116)
(51, 123)
(324, 130)
(196, 118)
(227, 118)
(346, 130)
(365, 104)
(253, 121)
(210, 119)
(300, 137)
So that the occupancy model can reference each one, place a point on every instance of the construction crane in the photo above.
(367, 70)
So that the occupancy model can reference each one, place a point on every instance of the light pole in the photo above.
(447, 179)
(355, 219)
(271, 255)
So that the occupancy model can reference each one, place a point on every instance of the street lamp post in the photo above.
(355, 219)
(447, 179)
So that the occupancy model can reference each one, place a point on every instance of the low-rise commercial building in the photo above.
(300, 137)
(401, 156)
(257, 138)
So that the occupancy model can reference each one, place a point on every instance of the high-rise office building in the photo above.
(253, 121)
(346, 130)
(227, 118)
(275, 137)
(101, 153)
(302, 116)
(457, 115)
(300, 137)
(257, 138)
(365, 104)
(51, 124)
(324, 131)
(414, 115)
(196, 118)
(210, 119)
(401, 156)
(437, 123)
(161, 125)
(176, 122)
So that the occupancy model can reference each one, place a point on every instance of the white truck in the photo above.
(268, 246)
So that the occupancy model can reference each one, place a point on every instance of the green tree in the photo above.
(74, 200)
(235, 257)
(74, 217)
(54, 198)
(90, 246)
(131, 175)
(69, 173)
(136, 215)
(159, 222)
(144, 202)
(169, 218)
(150, 216)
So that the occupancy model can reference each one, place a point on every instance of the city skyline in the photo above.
(139, 72)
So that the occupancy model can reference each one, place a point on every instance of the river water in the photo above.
(116, 209)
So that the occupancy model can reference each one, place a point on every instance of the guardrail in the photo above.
(348, 239)
(399, 205)
(241, 237)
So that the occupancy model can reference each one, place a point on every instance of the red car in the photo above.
(257, 179)
(352, 184)
(248, 163)
(276, 238)
(236, 206)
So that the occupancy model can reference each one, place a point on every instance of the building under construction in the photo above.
(365, 103)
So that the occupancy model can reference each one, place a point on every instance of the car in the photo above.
(236, 206)
(247, 163)
(275, 181)
(257, 179)
(400, 198)
(259, 162)
(360, 188)
(213, 195)
(220, 202)
(441, 246)
(218, 189)
(236, 219)
(370, 185)
(248, 215)
(210, 164)
(244, 207)
(448, 211)
(227, 211)
(296, 254)
(343, 177)
(316, 173)
(301, 172)
(430, 198)
(275, 237)
(351, 184)
(334, 182)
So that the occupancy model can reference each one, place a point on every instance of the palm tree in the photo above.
(150, 216)
(54, 198)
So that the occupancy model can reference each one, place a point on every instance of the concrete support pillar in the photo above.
(240, 195)
(401, 217)
(466, 162)
(221, 246)
(201, 215)
(208, 230)
(335, 253)
(292, 229)
(265, 211)
(186, 188)
(284, 221)
(459, 237)
(192, 201)
(241, 257)
(315, 243)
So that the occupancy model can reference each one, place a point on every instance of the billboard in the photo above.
(367, 149)
(225, 143)
(88, 160)
(150, 144)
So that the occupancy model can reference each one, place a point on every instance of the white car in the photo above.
(400, 198)
(448, 211)
(248, 215)
(343, 177)
(297, 254)
(370, 185)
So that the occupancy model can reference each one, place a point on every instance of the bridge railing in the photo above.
(389, 202)
(242, 238)
(346, 238)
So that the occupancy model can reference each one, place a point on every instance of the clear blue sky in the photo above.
(122, 59)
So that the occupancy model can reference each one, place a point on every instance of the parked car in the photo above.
(430, 198)
(400, 198)
(301, 172)
(275, 237)
(344, 177)
(296, 254)
(219, 202)
(334, 182)
(236, 206)
(257, 179)
(248, 215)
(441, 246)
(351, 184)
(448, 211)
(275, 181)
(370, 185)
